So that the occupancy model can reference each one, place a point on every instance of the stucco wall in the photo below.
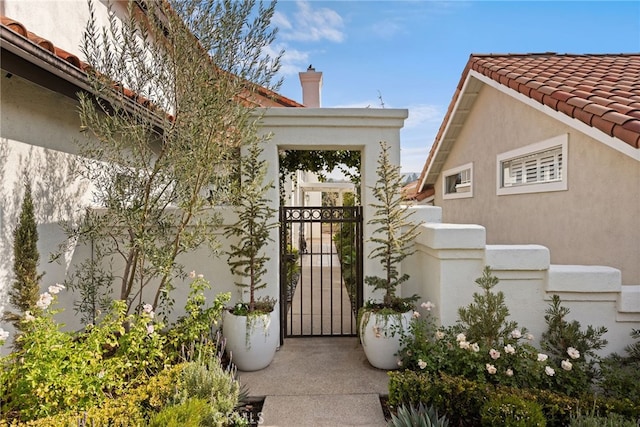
(62, 22)
(594, 222)
(36, 143)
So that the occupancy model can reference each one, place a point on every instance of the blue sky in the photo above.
(411, 54)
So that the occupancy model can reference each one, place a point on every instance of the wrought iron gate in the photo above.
(320, 270)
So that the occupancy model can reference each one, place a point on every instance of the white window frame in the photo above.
(469, 184)
(561, 141)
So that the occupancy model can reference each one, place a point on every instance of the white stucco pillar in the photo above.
(451, 257)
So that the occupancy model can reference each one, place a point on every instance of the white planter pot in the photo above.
(251, 341)
(379, 342)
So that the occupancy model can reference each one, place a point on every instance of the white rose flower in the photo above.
(464, 345)
(148, 309)
(509, 349)
(542, 357)
(428, 305)
(549, 371)
(54, 289)
(422, 364)
(495, 354)
(439, 335)
(573, 353)
(475, 347)
(566, 365)
(516, 333)
(461, 337)
(491, 369)
(44, 301)
(509, 372)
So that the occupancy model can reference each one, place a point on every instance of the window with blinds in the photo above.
(535, 168)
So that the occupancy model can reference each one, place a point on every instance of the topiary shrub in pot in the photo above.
(381, 322)
(249, 327)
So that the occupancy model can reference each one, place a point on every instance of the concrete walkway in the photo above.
(320, 305)
(323, 381)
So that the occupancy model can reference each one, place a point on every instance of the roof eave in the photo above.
(53, 64)
(25, 49)
(460, 108)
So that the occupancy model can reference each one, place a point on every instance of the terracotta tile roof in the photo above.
(410, 192)
(264, 98)
(45, 44)
(602, 91)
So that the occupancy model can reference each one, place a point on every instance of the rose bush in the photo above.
(489, 348)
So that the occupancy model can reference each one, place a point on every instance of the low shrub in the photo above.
(511, 411)
(611, 420)
(461, 400)
(193, 333)
(120, 412)
(192, 412)
(456, 397)
(131, 409)
(66, 378)
(54, 371)
(417, 416)
(211, 382)
(620, 375)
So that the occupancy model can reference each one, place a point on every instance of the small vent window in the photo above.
(458, 182)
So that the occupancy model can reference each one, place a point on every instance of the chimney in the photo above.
(311, 81)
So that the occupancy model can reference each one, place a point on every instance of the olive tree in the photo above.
(173, 95)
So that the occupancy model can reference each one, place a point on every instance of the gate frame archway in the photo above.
(357, 129)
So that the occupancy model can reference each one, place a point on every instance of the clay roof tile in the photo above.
(266, 96)
(602, 91)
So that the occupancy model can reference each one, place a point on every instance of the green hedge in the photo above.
(462, 400)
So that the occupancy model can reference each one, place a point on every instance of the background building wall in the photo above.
(594, 222)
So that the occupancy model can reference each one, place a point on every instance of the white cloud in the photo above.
(386, 29)
(311, 24)
(413, 159)
(281, 21)
(292, 62)
(421, 114)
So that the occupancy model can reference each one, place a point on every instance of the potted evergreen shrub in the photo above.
(249, 327)
(382, 321)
